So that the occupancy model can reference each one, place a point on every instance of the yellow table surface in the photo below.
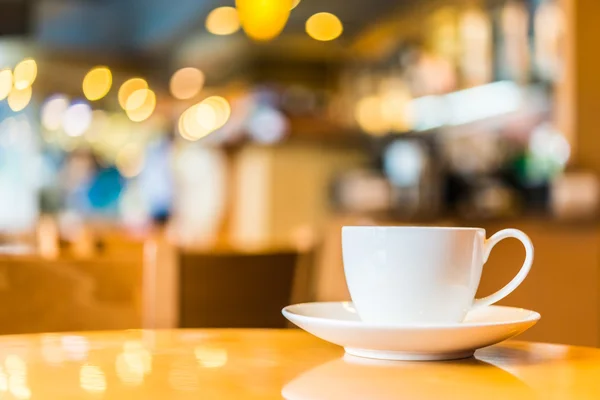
(275, 364)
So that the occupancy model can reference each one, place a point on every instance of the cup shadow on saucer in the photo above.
(351, 377)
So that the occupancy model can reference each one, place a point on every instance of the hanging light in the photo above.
(24, 74)
(97, 83)
(324, 27)
(263, 20)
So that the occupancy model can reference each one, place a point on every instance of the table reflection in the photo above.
(352, 377)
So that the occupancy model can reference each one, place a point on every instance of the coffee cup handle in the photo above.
(518, 279)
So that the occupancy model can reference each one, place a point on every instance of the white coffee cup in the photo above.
(421, 275)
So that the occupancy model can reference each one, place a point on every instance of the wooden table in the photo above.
(271, 364)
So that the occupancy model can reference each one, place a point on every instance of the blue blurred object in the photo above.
(105, 190)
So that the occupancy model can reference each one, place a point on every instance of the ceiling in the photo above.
(159, 26)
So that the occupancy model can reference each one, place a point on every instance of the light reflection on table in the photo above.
(271, 364)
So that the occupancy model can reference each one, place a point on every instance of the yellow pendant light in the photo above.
(263, 19)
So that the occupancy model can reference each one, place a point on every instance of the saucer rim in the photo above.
(533, 317)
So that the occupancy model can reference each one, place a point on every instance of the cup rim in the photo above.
(411, 227)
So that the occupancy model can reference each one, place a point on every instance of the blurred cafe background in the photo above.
(189, 163)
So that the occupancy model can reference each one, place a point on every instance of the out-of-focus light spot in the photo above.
(15, 365)
(188, 125)
(16, 370)
(368, 114)
(404, 162)
(77, 119)
(223, 21)
(20, 391)
(548, 143)
(97, 83)
(145, 109)
(92, 379)
(210, 357)
(186, 83)
(133, 363)
(6, 83)
(19, 99)
(324, 27)
(52, 350)
(53, 111)
(396, 105)
(267, 125)
(75, 347)
(466, 106)
(482, 102)
(25, 74)
(221, 108)
(128, 88)
(263, 19)
(3, 381)
(430, 112)
(295, 3)
(130, 160)
(206, 116)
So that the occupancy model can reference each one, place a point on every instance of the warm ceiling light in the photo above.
(6, 83)
(263, 19)
(128, 88)
(147, 103)
(223, 21)
(97, 83)
(295, 3)
(19, 99)
(25, 74)
(186, 83)
(324, 27)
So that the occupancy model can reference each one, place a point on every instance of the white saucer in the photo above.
(339, 323)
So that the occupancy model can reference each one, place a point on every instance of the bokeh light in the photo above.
(295, 3)
(145, 100)
(206, 116)
(134, 362)
(128, 88)
(92, 378)
(188, 125)
(396, 106)
(6, 83)
(368, 114)
(97, 83)
(19, 99)
(186, 83)
(77, 119)
(210, 357)
(223, 21)
(221, 109)
(53, 111)
(203, 118)
(267, 125)
(324, 27)
(25, 74)
(263, 19)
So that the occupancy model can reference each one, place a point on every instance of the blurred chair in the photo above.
(229, 288)
(41, 295)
